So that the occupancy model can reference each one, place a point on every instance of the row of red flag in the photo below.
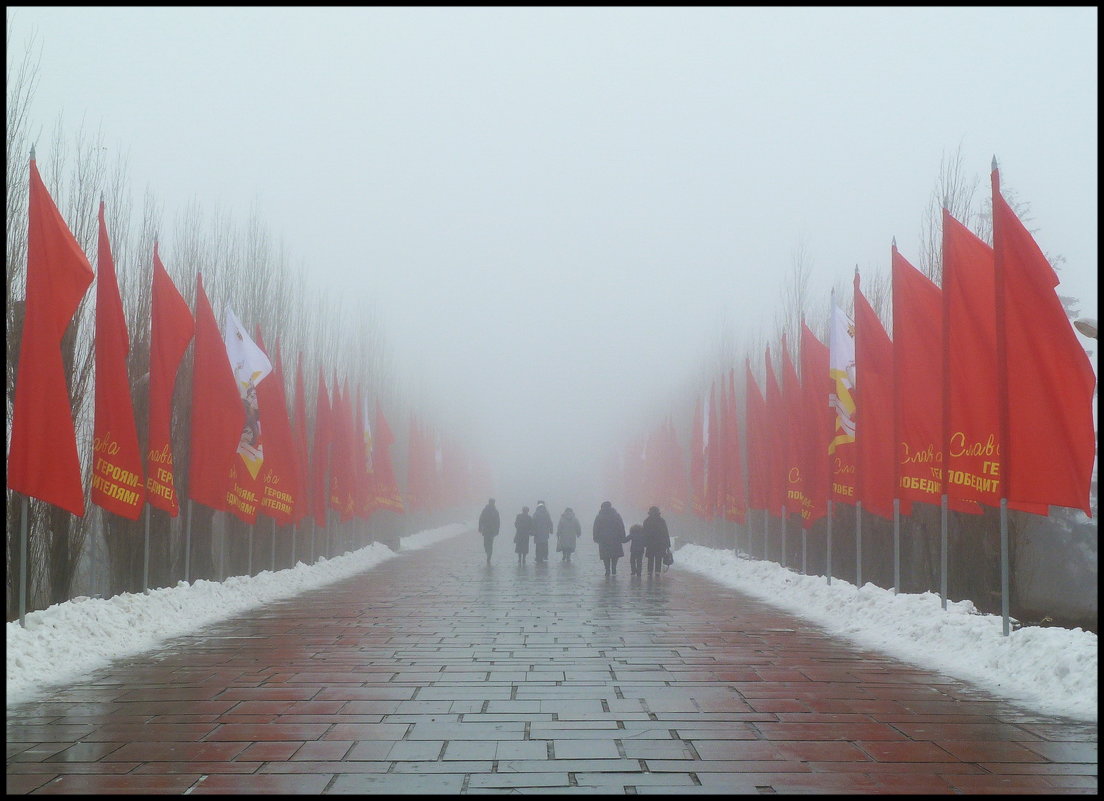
(983, 393)
(237, 393)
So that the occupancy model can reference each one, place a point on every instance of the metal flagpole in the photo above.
(896, 545)
(274, 545)
(804, 552)
(766, 527)
(783, 559)
(943, 549)
(829, 558)
(250, 561)
(1004, 562)
(311, 521)
(23, 553)
(858, 543)
(188, 544)
(294, 528)
(145, 565)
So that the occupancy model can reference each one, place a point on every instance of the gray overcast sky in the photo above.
(555, 209)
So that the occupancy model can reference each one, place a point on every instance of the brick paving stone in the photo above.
(443, 675)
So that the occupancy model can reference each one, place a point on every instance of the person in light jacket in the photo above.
(609, 533)
(568, 532)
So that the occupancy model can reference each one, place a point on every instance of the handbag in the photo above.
(668, 558)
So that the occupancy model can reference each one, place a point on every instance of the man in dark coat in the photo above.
(657, 540)
(609, 533)
(523, 526)
(542, 530)
(488, 526)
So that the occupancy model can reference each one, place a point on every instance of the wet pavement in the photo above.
(435, 673)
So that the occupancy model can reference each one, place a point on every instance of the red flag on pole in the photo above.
(774, 441)
(320, 454)
(735, 496)
(342, 478)
(302, 458)
(217, 413)
(794, 434)
(918, 385)
(387, 489)
(171, 329)
(117, 484)
(819, 421)
(971, 402)
(873, 392)
(279, 478)
(756, 433)
(1048, 443)
(713, 452)
(697, 464)
(42, 457)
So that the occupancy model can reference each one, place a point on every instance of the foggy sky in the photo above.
(554, 211)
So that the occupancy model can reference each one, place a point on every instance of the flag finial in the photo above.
(994, 161)
(856, 269)
(32, 153)
(894, 243)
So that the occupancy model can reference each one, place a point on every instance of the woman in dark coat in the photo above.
(609, 533)
(568, 532)
(657, 540)
(523, 524)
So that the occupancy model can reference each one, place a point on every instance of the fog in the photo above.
(557, 214)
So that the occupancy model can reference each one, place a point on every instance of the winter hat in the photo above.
(607, 505)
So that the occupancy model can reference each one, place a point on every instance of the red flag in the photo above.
(774, 441)
(697, 464)
(676, 471)
(817, 426)
(302, 458)
(171, 329)
(756, 435)
(874, 446)
(387, 489)
(279, 477)
(342, 478)
(735, 500)
(1047, 383)
(320, 454)
(713, 453)
(42, 458)
(217, 413)
(117, 484)
(794, 434)
(918, 385)
(366, 500)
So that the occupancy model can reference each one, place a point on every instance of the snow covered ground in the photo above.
(1048, 670)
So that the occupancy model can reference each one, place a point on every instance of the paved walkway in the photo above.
(435, 673)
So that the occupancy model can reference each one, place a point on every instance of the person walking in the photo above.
(638, 539)
(657, 539)
(488, 526)
(609, 533)
(523, 526)
(542, 530)
(568, 532)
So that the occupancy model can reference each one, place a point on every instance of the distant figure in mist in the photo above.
(568, 531)
(523, 525)
(488, 526)
(609, 533)
(657, 540)
(542, 530)
(637, 538)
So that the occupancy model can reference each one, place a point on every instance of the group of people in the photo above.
(650, 539)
